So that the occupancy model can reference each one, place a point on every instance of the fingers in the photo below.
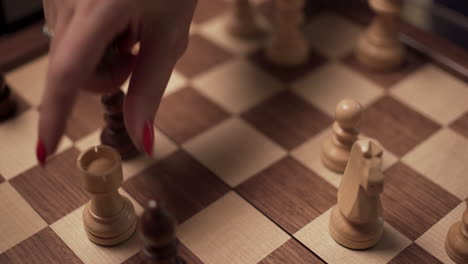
(72, 64)
(153, 69)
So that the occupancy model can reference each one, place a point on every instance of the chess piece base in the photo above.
(149, 258)
(351, 235)
(334, 157)
(379, 57)
(113, 230)
(7, 105)
(121, 142)
(456, 244)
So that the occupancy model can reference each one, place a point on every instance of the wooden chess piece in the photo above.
(7, 103)
(336, 148)
(242, 21)
(158, 231)
(115, 133)
(356, 221)
(288, 46)
(379, 47)
(109, 218)
(456, 242)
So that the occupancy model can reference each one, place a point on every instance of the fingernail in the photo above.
(41, 153)
(148, 137)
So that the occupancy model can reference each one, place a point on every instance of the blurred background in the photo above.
(447, 18)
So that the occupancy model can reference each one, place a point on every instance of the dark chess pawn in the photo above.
(115, 133)
(158, 232)
(7, 103)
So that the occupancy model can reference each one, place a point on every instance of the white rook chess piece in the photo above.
(242, 20)
(379, 47)
(109, 218)
(337, 147)
(288, 46)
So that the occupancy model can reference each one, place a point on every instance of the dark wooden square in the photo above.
(289, 194)
(21, 104)
(288, 119)
(461, 125)
(414, 254)
(185, 113)
(180, 183)
(200, 56)
(412, 202)
(286, 74)
(291, 252)
(43, 247)
(396, 126)
(183, 252)
(53, 191)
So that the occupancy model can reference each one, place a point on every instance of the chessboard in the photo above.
(237, 154)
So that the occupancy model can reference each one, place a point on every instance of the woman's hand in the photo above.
(82, 32)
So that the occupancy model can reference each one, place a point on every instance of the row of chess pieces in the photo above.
(356, 221)
(379, 48)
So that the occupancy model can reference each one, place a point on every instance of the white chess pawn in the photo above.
(345, 130)
(379, 47)
(288, 46)
(242, 20)
(109, 218)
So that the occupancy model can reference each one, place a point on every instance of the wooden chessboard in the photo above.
(237, 155)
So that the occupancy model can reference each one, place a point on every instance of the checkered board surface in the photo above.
(237, 155)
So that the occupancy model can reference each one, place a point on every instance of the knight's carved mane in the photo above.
(365, 157)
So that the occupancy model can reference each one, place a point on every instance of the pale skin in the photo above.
(83, 30)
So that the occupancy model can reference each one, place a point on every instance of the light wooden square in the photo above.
(443, 159)
(216, 30)
(316, 237)
(18, 219)
(332, 35)
(176, 82)
(237, 85)
(71, 230)
(437, 94)
(17, 151)
(234, 151)
(309, 155)
(28, 80)
(329, 84)
(231, 231)
(162, 148)
(433, 240)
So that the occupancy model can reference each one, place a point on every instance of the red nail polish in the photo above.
(41, 152)
(148, 137)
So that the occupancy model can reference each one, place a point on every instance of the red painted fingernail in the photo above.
(148, 137)
(41, 152)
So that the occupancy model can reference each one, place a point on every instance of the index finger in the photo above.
(94, 25)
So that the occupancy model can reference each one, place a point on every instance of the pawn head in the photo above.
(158, 226)
(348, 113)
